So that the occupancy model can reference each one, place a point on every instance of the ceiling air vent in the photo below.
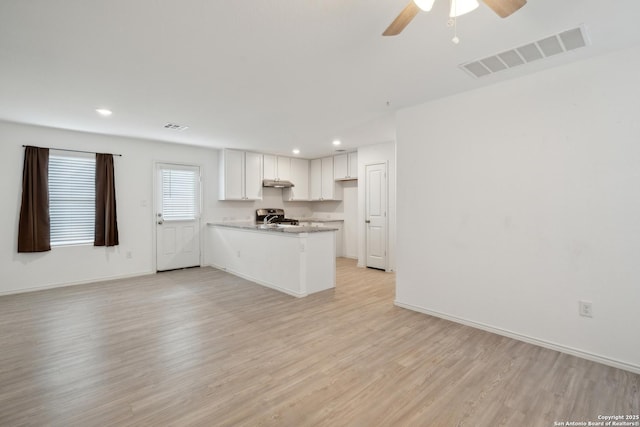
(549, 46)
(174, 126)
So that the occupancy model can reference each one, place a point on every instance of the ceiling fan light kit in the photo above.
(424, 5)
(460, 7)
(502, 8)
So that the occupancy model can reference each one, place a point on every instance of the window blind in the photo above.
(72, 199)
(179, 194)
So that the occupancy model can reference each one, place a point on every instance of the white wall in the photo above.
(134, 191)
(367, 155)
(528, 199)
(243, 211)
(328, 209)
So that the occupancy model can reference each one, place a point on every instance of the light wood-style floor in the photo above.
(201, 347)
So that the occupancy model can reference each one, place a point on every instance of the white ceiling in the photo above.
(266, 75)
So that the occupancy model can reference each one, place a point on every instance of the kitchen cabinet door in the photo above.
(322, 185)
(300, 179)
(284, 168)
(240, 175)
(327, 191)
(353, 165)
(340, 167)
(276, 168)
(253, 176)
(345, 166)
(269, 167)
(315, 178)
(231, 175)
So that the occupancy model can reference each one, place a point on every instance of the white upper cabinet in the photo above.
(270, 167)
(240, 175)
(315, 180)
(284, 169)
(300, 179)
(276, 168)
(231, 175)
(322, 183)
(345, 166)
(353, 165)
(327, 179)
(253, 176)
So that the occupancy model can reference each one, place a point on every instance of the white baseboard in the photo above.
(79, 282)
(261, 282)
(531, 340)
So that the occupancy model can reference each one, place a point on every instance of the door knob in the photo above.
(368, 221)
(160, 222)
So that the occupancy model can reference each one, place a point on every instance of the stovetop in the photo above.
(273, 216)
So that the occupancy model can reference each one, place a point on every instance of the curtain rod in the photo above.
(76, 151)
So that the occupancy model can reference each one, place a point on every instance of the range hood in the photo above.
(277, 183)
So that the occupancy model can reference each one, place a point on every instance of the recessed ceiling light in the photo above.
(295, 151)
(104, 112)
(337, 142)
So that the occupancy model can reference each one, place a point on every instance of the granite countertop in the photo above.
(316, 219)
(272, 228)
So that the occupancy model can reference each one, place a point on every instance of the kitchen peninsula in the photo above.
(296, 260)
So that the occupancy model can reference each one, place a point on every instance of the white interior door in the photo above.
(376, 215)
(177, 216)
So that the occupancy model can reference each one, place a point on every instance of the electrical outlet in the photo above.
(129, 255)
(238, 254)
(585, 308)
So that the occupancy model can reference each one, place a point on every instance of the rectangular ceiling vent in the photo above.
(549, 46)
(174, 126)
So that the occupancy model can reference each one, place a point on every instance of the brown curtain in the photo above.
(34, 232)
(106, 233)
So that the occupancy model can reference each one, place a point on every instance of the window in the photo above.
(179, 194)
(72, 199)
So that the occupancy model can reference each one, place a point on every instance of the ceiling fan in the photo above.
(503, 8)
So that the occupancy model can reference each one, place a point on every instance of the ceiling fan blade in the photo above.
(505, 8)
(402, 20)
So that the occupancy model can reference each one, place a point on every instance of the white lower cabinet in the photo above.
(339, 239)
(303, 264)
(339, 233)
